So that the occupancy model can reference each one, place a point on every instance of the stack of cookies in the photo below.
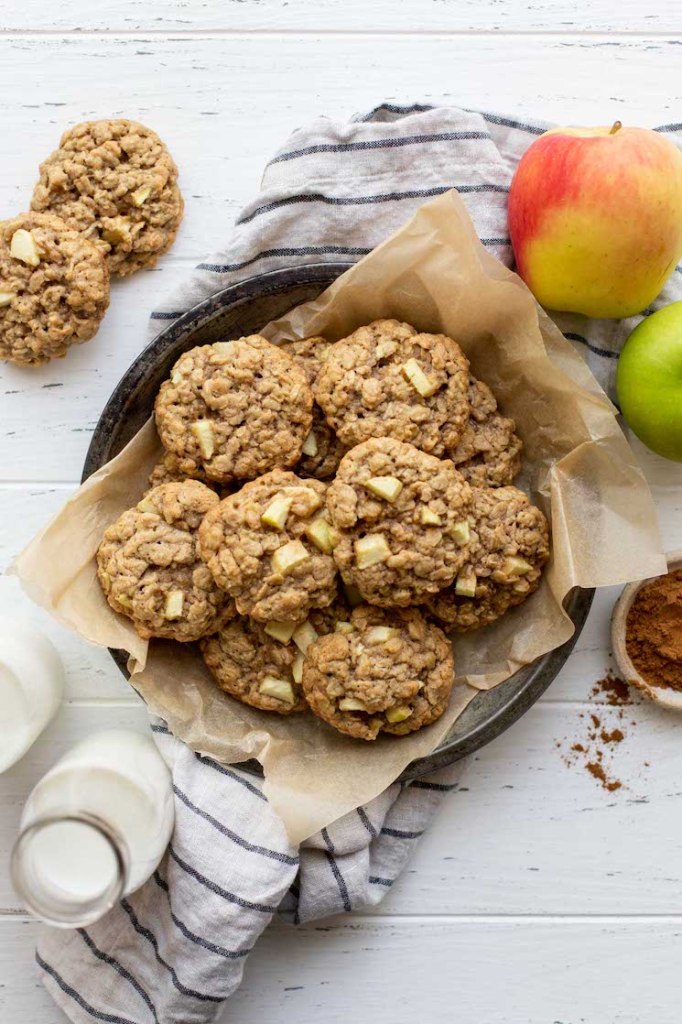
(323, 514)
(107, 202)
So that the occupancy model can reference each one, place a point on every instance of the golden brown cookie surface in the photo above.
(393, 672)
(54, 288)
(116, 183)
(509, 547)
(402, 519)
(149, 569)
(387, 380)
(234, 410)
(268, 546)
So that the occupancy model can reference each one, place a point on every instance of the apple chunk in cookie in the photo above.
(261, 664)
(508, 547)
(269, 546)
(387, 380)
(149, 569)
(390, 672)
(234, 410)
(402, 520)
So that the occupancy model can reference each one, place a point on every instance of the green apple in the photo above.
(649, 381)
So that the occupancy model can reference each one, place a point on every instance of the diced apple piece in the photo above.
(282, 631)
(310, 444)
(352, 704)
(428, 517)
(204, 433)
(371, 550)
(119, 231)
(297, 668)
(414, 375)
(175, 602)
(222, 347)
(398, 714)
(344, 627)
(147, 506)
(124, 600)
(23, 247)
(379, 634)
(461, 533)
(353, 595)
(288, 557)
(280, 689)
(6, 298)
(305, 635)
(386, 487)
(515, 566)
(141, 196)
(465, 584)
(319, 533)
(276, 513)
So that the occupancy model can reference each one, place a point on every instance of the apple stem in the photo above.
(615, 127)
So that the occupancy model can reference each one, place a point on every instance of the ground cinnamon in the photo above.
(653, 631)
(595, 750)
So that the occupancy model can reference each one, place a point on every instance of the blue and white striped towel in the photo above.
(175, 950)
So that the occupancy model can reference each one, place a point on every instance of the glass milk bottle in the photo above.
(94, 828)
(31, 687)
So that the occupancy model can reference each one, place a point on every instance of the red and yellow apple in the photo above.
(595, 218)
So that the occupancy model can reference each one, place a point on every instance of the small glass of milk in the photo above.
(94, 828)
(31, 687)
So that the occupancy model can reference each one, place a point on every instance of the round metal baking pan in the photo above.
(243, 309)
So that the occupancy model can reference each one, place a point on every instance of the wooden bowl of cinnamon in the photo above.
(646, 635)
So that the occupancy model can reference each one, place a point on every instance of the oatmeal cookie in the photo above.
(234, 410)
(489, 451)
(509, 546)
(54, 289)
(387, 380)
(149, 569)
(402, 519)
(168, 471)
(269, 547)
(393, 673)
(322, 450)
(116, 183)
(261, 664)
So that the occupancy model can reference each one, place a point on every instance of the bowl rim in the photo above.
(662, 695)
(539, 675)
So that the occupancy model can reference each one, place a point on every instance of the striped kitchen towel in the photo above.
(172, 952)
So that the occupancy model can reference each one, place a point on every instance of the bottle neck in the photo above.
(70, 869)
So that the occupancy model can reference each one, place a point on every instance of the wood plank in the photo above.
(525, 833)
(624, 971)
(416, 16)
(222, 145)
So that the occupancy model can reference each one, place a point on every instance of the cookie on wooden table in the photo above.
(387, 380)
(322, 450)
(261, 664)
(54, 289)
(234, 410)
(392, 672)
(269, 546)
(488, 453)
(509, 545)
(149, 569)
(402, 516)
(116, 183)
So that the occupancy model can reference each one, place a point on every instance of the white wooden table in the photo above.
(536, 896)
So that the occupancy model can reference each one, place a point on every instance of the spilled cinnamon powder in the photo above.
(594, 751)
